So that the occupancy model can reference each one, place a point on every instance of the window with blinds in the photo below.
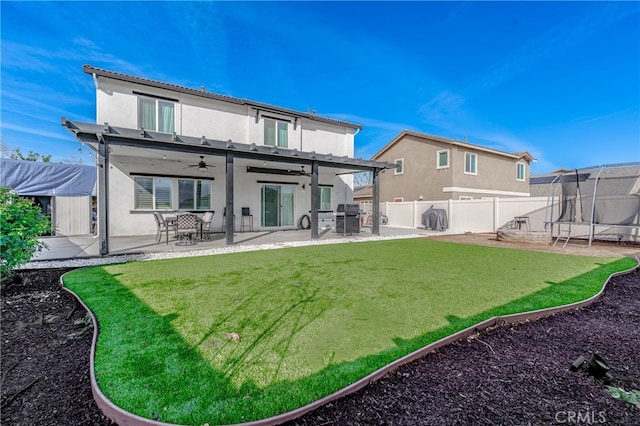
(152, 193)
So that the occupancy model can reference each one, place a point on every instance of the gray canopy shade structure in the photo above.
(103, 138)
(47, 179)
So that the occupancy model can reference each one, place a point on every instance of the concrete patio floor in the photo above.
(87, 246)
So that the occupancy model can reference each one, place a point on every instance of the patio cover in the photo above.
(104, 139)
(47, 179)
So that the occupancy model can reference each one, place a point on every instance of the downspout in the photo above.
(300, 124)
(353, 154)
(96, 83)
(248, 126)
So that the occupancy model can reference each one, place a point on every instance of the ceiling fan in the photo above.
(201, 164)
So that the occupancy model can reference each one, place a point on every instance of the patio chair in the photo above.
(246, 213)
(207, 218)
(161, 226)
(186, 226)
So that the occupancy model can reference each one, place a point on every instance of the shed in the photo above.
(65, 192)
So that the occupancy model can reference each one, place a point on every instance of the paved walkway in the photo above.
(84, 250)
(62, 248)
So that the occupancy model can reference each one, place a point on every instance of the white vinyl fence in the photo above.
(484, 215)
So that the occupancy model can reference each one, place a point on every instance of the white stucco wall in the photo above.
(125, 220)
(195, 116)
(215, 120)
(327, 139)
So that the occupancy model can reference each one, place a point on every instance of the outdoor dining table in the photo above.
(172, 221)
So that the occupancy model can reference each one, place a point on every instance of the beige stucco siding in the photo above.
(494, 173)
(420, 176)
(422, 179)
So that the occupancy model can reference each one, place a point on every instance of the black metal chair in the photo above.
(186, 226)
(246, 213)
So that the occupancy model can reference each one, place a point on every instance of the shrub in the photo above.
(21, 222)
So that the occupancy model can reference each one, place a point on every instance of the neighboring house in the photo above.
(435, 168)
(163, 147)
(64, 192)
(363, 194)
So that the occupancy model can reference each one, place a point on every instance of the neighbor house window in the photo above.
(399, 166)
(194, 194)
(520, 171)
(156, 115)
(470, 163)
(152, 193)
(443, 159)
(276, 133)
(465, 198)
(325, 198)
(398, 199)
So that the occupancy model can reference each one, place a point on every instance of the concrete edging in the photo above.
(124, 418)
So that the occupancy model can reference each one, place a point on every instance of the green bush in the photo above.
(21, 223)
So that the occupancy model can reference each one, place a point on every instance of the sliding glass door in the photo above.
(276, 205)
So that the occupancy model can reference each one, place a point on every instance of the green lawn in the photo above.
(311, 320)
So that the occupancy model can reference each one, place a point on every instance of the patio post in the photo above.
(375, 222)
(315, 200)
(229, 199)
(103, 191)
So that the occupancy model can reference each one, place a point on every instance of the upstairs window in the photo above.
(520, 171)
(399, 166)
(276, 133)
(470, 163)
(443, 159)
(156, 115)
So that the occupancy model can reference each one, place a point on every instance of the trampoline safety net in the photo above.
(605, 195)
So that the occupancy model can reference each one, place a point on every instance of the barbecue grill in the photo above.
(348, 219)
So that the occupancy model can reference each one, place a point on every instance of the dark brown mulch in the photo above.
(46, 336)
(513, 375)
(509, 375)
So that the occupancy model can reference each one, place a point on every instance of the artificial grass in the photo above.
(311, 320)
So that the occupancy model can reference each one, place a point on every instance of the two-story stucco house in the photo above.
(167, 148)
(435, 168)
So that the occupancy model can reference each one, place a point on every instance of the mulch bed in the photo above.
(508, 375)
(46, 338)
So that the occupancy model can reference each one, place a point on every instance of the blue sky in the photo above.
(558, 79)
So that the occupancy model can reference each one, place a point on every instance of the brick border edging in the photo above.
(124, 418)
